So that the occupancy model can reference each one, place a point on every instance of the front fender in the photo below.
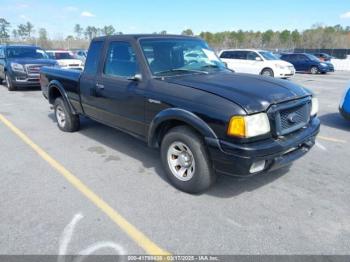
(54, 84)
(180, 115)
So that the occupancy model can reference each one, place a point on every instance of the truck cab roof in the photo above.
(139, 36)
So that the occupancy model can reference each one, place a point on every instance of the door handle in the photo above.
(100, 86)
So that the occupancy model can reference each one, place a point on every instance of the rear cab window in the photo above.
(93, 58)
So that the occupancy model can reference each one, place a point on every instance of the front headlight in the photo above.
(17, 67)
(249, 126)
(324, 64)
(280, 66)
(314, 106)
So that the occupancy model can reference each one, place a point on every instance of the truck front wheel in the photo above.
(66, 121)
(185, 159)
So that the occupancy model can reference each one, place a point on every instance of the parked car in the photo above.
(308, 63)
(323, 57)
(80, 54)
(344, 107)
(204, 118)
(20, 65)
(66, 59)
(256, 62)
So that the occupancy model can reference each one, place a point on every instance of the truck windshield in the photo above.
(167, 57)
(26, 52)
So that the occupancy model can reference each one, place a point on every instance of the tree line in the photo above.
(317, 37)
(27, 33)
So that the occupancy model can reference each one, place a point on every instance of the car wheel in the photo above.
(314, 70)
(8, 82)
(267, 72)
(185, 159)
(66, 121)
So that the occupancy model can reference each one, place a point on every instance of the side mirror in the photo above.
(137, 77)
(258, 58)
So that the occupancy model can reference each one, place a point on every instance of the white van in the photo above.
(257, 62)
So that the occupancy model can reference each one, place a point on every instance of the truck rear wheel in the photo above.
(66, 121)
(185, 159)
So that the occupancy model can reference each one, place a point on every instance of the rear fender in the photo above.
(56, 85)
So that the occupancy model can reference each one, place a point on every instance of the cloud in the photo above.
(87, 14)
(23, 17)
(345, 15)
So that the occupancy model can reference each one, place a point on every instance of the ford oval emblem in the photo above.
(292, 118)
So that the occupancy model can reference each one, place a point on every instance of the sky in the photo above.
(148, 16)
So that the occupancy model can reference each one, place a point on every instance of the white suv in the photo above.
(257, 62)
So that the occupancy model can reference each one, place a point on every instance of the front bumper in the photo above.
(237, 159)
(284, 73)
(323, 69)
(24, 79)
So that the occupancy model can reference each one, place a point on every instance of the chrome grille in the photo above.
(33, 69)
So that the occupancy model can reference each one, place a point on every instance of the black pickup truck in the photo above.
(174, 93)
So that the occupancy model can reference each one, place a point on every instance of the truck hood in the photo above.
(27, 61)
(253, 93)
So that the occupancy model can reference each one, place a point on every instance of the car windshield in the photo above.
(268, 55)
(167, 57)
(63, 55)
(313, 58)
(26, 52)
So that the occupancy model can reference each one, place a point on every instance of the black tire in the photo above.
(9, 84)
(267, 72)
(66, 121)
(203, 175)
(314, 70)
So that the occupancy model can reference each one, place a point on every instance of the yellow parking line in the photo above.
(331, 139)
(142, 240)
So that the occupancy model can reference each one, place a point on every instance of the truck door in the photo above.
(119, 95)
(88, 81)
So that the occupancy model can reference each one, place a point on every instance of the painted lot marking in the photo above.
(142, 240)
(331, 139)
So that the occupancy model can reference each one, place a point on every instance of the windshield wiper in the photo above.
(181, 70)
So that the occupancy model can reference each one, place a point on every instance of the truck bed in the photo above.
(68, 79)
